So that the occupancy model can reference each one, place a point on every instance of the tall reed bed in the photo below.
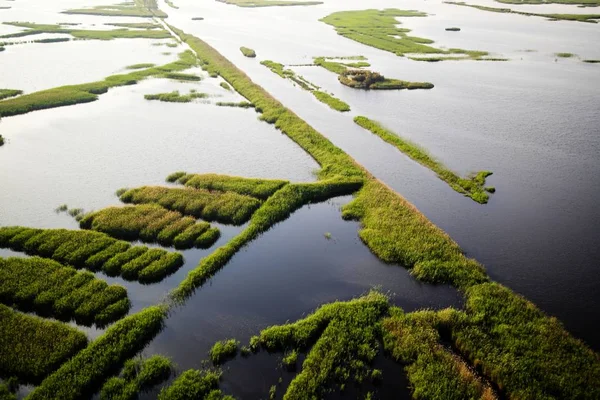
(51, 289)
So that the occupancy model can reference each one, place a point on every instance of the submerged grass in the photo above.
(87, 249)
(136, 377)
(83, 374)
(87, 92)
(51, 289)
(176, 97)
(473, 187)
(248, 52)
(224, 207)
(553, 17)
(31, 347)
(379, 29)
(146, 222)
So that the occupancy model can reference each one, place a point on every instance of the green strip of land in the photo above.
(137, 8)
(269, 3)
(592, 18)
(38, 29)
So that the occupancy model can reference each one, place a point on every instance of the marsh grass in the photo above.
(364, 79)
(379, 29)
(137, 377)
(225, 86)
(223, 351)
(140, 66)
(270, 3)
(195, 384)
(210, 205)
(564, 55)
(178, 76)
(333, 102)
(51, 289)
(248, 52)
(453, 29)
(135, 25)
(176, 97)
(149, 223)
(553, 17)
(83, 374)
(77, 248)
(37, 29)
(87, 92)
(7, 93)
(31, 347)
(138, 8)
(1, 140)
(259, 188)
(241, 104)
(473, 187)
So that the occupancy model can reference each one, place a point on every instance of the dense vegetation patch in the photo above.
(93, 251)
(6, 93)
(83, 374)
(140, 66)
(379, 29)
(137, 8)
(176, 97)
(136, 377)
(270, 3)
(553, 17)
(473, 187)
(178, 76)
(224, 350)
(210, 205)
(331, 101)
(240, 104)
(225, 86)
(31, 347)
(153, 224)
(338, 67)
(259, 188)
(248, 52)
(193, 385)
(564, 55)
(51, 289)
(37, 29)
(87, 92)
(363, 79)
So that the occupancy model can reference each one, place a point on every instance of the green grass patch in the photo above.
(582, 3)
(149, 223)
(137, 8)
(176, 97)
(195, 384)
(224, 350)
(248, 52)
(83, 374)
(37, 29)
(140, 66)
(6, 93)
(178, 76)
(473, 187)
(52, 40)
(591, 61)
(259, 188)
(137, 377)
(333, 102)
(277, 68)
(50, 289)
(364, 79)
(135, 25)
(270, 3)
(379, 29)
(87, 92)
(564, 55)
(553, 17)
(210, 205)
(225, 86)
(240, 104)
(86, 249)
(31, 347)
(171, 4)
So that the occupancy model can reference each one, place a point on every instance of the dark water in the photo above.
(283, 276)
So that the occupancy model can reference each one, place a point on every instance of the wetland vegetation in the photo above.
(138, 375)
(37, 29)
(270, 3)
(176, 97)
(135, 8)
(553, 17)
(473, 187)
(248, 52)
(364, 79)
(6, 93)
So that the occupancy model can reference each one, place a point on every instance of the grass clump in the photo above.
(83, 374)
(176, 97)
(225, 86)
(343, 338)
(210, 205)
(259, 188)
(333, 102)
(453, 29)
(553, 17)
(473, 187)
(50, 289)
(270, 3)
(6, 93)
(77, 248)
(182, 77)
(363, 79)
(147, 222)
(248, 52)
(224, 350)
(241, 104)
(31, 347)
(564, 55)
(195, 384)
(277, 68)
(379, 29)
(137, 376)
(290, 360)
(140, 66)
(87, 92)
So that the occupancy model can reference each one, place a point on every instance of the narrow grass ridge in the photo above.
(50, 289)
(151, 223)
(137, 377)
(176, 97)
(138, 8)
(248, 52)
(93, 251)
(31, 347)
(84, 373)
(592, 18)
(195, 384)
(88, 34)
(258, 188)
(333, 102)
(210, 205)
(270, 3)
(473, 187)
